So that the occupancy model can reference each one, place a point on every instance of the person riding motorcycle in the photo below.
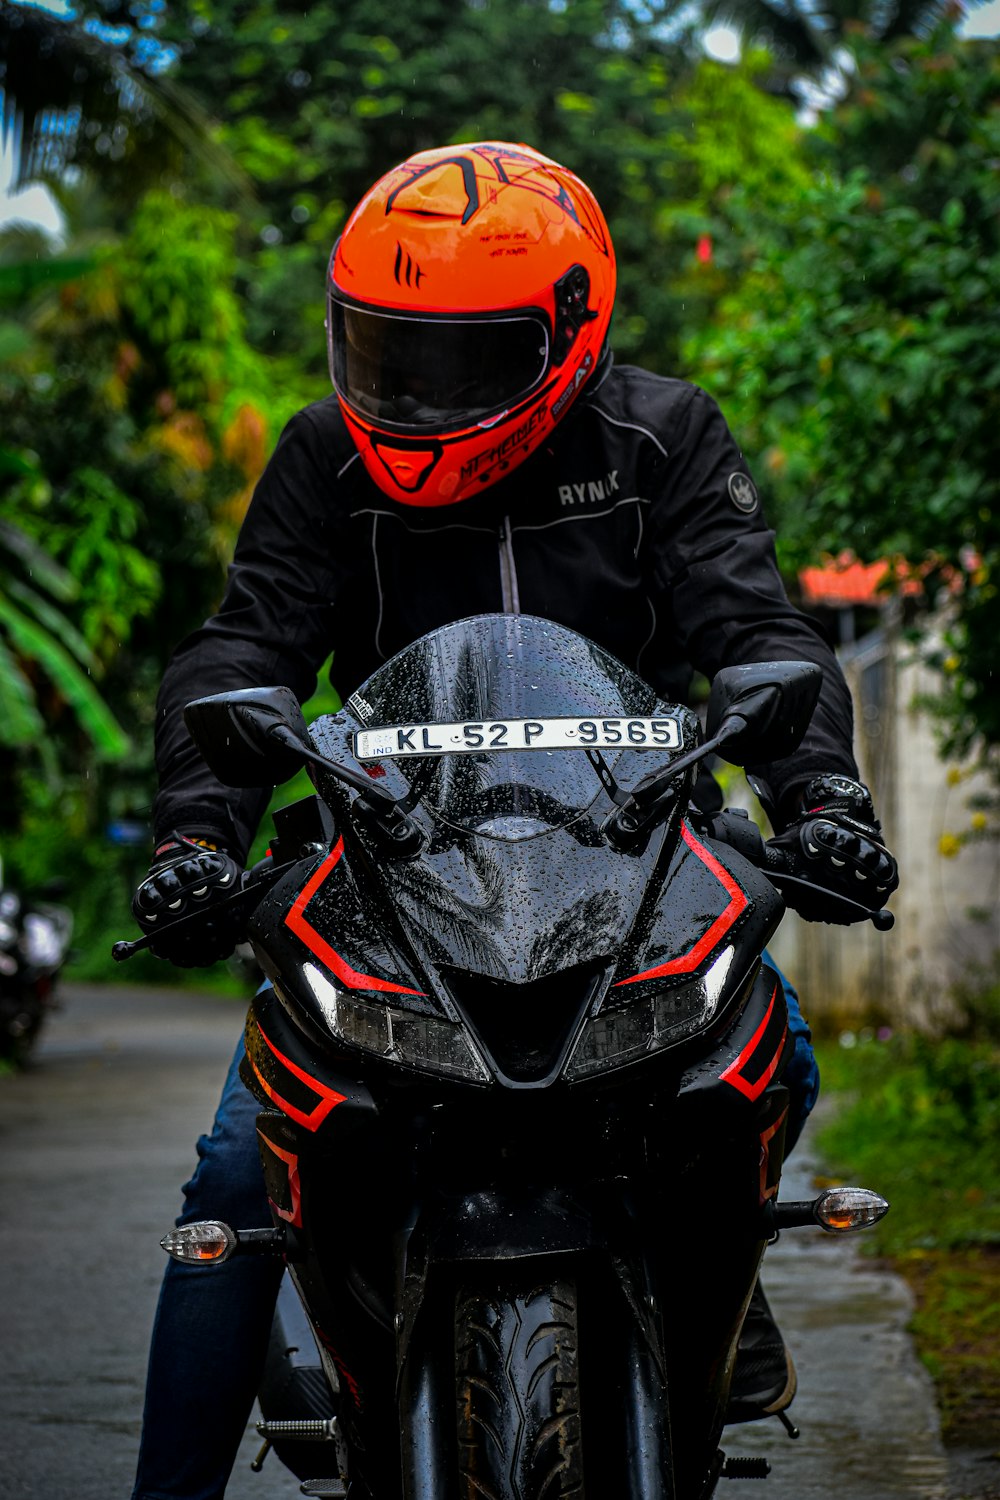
(481, 452)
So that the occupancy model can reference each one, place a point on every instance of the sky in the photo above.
(35, 205)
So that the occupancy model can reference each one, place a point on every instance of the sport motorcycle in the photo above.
(35, 937)
(519, 1061)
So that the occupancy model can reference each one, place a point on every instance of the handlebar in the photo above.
(742, 836)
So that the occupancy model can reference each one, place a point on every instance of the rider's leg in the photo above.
(212, 1323)
(764, 1377)
(802, 1074)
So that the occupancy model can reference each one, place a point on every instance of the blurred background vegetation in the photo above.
(810, 231)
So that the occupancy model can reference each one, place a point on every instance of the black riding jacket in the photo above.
(636, 524)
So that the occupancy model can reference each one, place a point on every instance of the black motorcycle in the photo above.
(519, 1066)
(34, 944)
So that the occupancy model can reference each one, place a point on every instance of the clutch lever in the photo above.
(256, 882)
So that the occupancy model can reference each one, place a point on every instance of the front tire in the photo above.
(518, 1391)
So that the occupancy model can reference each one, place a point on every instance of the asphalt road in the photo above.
(95, 1139)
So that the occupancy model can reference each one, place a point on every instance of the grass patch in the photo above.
(919, 1120)
(955, 1328)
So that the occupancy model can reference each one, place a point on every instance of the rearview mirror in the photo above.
(249, 737)
(759, 712)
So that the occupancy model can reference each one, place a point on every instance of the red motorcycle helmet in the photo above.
(470, 296)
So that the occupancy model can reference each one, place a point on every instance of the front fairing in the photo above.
(515, 895)
(516, 916)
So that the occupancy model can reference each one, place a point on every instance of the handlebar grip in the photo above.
(777, 861)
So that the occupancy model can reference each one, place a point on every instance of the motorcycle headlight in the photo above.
(613, 1038)
(428, 1043)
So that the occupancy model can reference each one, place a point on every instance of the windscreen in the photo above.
(508, 705)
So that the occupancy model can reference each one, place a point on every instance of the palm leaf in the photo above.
(32, 641)
(47, 572)
(57, 625)
(912, 18)
(60, 76)
(12, 462)
(787, 29)
(20, 721)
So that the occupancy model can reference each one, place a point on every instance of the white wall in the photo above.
(947, 909)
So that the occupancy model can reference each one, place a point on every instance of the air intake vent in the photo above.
(526, 1029)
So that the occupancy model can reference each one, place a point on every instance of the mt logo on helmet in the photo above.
(470, 296)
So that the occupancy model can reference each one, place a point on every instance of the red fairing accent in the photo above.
(738, 902)
(328, 1098)
(734, 1073)
(765, 1154)
(342, 1370)
(294, 1214)
(318, 945)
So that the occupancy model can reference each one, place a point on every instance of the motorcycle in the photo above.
(519, 1062)
(34, 945)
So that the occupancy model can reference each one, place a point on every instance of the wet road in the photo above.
(865, 1406)
(94, 1142)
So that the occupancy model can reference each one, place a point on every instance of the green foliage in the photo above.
(920, 1122)
(976, 996)
(41, 651)
(809, 40)
(318, 105)
(918, 1119)
(727, 133)
(860, 352)
(136, 419)
(175, 273)
(88, 87)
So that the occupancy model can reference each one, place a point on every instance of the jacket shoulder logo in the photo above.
(743, 493)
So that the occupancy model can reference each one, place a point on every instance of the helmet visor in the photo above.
(434, 373)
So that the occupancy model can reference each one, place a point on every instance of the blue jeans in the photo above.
(212, 1323)
(802, 1074)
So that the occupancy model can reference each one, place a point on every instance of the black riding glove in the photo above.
(187, 876)
(836, 842)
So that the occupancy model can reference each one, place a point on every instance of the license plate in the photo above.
(517, 734)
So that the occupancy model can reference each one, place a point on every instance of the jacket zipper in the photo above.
(508, 572)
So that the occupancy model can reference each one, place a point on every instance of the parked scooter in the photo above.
(34, 944)
(520, 1070)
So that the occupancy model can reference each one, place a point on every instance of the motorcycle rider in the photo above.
(481, 452)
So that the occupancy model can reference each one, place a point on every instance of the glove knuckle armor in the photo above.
(185, 879)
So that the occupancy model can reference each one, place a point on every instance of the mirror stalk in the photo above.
(379, 809)
(649, 802)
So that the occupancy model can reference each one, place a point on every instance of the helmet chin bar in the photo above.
(427, 471)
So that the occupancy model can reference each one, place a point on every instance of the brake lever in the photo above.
(257, 887)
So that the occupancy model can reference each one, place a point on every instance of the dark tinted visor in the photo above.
(434, 372)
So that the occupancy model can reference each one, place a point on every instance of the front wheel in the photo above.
(518, 1390)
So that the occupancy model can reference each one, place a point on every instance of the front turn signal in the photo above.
(842, 1210)
(206, 1243)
